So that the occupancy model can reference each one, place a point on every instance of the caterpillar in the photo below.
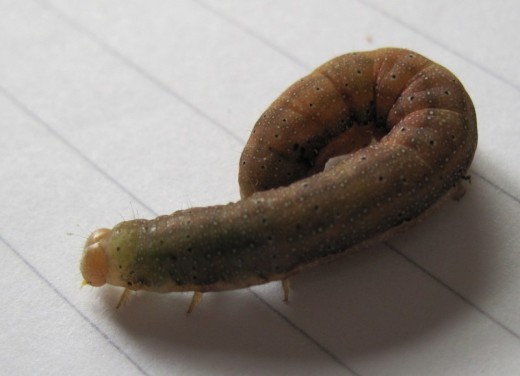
(365, 145)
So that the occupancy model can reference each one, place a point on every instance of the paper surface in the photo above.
(123, 109)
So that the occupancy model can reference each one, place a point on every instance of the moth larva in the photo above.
(364, 145)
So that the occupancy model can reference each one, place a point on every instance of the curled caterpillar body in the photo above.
(364, 145)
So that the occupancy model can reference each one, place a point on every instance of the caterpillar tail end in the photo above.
(458, 192)
(94, 262)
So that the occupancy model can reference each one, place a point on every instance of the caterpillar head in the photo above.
(94, 263)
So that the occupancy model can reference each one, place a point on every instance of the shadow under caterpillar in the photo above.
(365, 145)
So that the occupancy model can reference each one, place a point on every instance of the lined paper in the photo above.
(124, 109)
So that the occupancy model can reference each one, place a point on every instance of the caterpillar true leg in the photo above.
(123, 298)
(196, 299)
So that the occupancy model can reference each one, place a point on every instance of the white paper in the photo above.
(123, 109)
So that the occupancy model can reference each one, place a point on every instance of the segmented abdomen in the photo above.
(352, 100)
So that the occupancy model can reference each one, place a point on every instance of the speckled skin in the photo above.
(363, 145)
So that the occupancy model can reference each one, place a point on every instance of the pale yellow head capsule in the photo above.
(94, 263)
